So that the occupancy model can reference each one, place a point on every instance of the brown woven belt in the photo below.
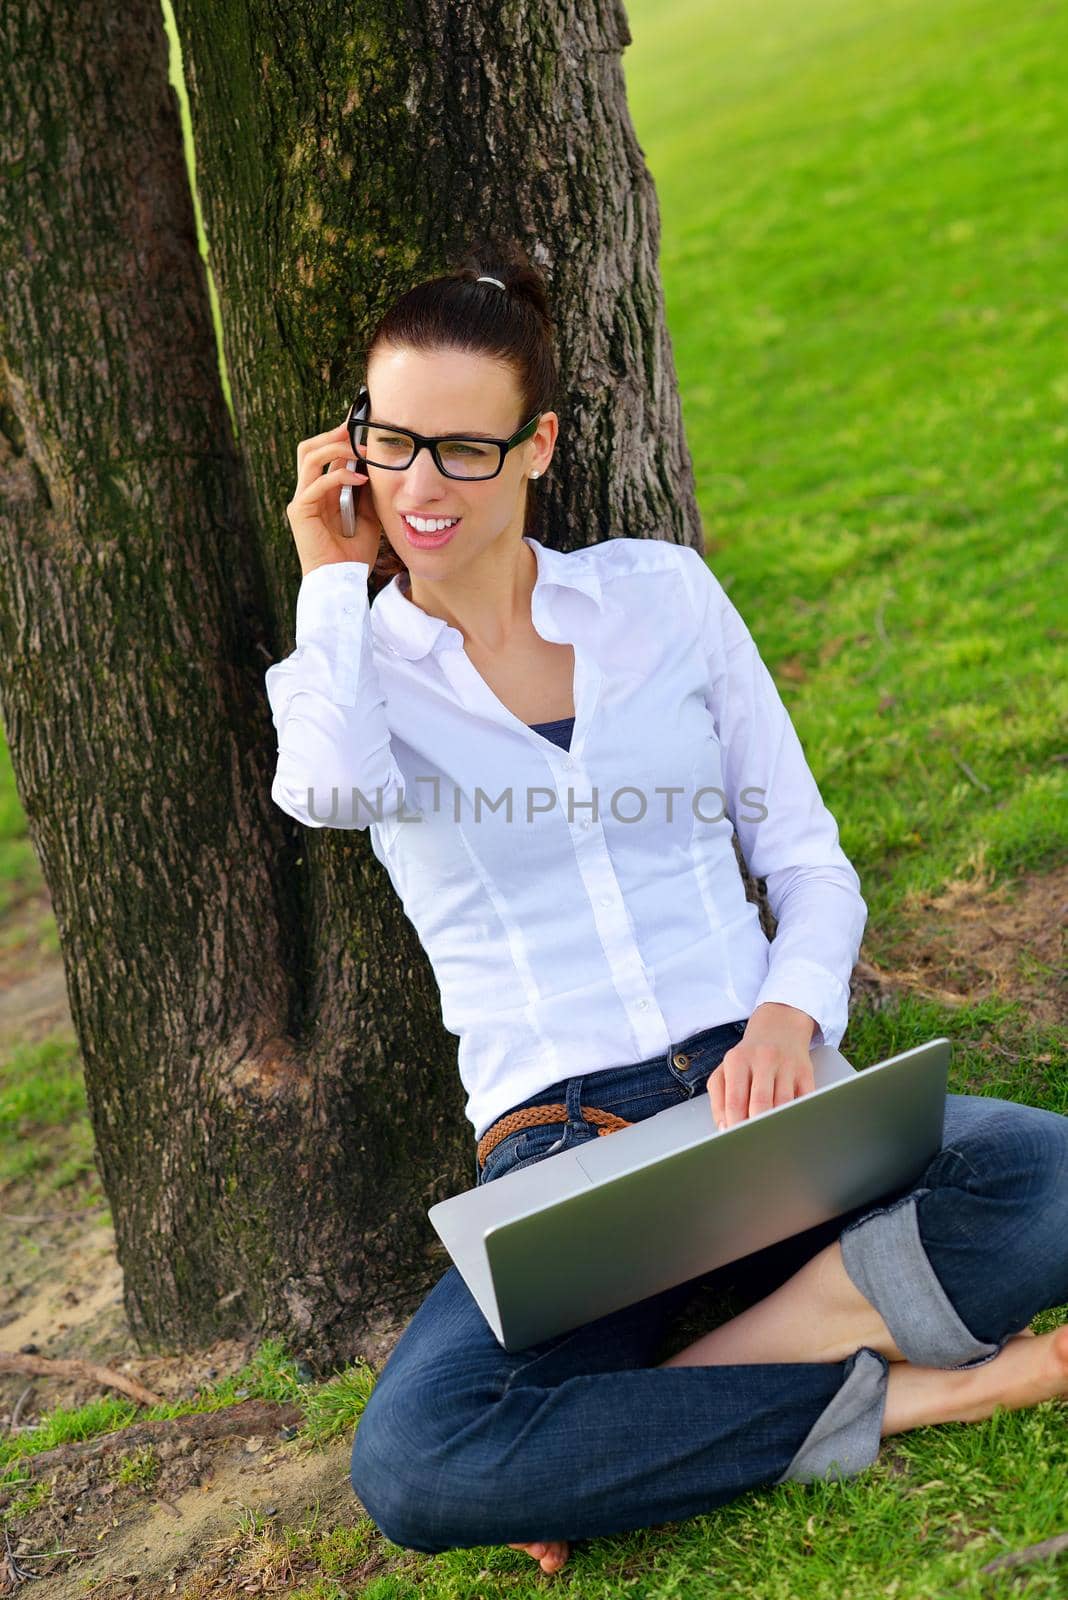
(532, 1116)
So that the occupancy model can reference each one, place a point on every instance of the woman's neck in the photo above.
(488, 605)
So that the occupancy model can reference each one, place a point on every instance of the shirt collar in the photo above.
(409, 631)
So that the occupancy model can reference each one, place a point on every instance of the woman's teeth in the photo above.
(431, 524)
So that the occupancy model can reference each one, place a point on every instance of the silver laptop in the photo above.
(600, 1226)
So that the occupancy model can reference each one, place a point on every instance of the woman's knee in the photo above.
(400, 1469)
(1002, 1140)
(1041, 1170)
(1017, 1156)
(381, 1475)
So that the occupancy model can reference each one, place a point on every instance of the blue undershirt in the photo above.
(558, 732)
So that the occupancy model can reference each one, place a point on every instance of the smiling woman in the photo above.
(579, 899)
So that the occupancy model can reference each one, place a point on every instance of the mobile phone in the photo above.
(358, 412)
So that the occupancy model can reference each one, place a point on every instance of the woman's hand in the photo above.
(769, 1066)
(315, 510)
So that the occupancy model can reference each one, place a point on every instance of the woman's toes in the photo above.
(551, 1554)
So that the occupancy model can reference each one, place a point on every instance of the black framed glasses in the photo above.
(456, 455)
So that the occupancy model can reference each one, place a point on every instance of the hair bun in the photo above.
(508, 262)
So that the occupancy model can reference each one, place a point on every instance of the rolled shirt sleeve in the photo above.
(813, 888)
(335, 767)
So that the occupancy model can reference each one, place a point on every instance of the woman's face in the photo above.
(451, 391)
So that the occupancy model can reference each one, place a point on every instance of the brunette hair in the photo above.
(454, 311)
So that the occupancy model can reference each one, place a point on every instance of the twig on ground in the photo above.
(880, 626)
(1034, 1552)
(15, 1572)
(19, 1403)
(50, 1216)
(49, 1367)
(249, 1417)
(968, 773)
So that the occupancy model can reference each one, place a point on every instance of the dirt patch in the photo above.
(123, 1540)
(60, 1277)
(976, 939)
(33, 984)
(62, 1296)
(183, 1527)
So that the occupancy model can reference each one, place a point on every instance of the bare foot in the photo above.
(1028, 1369)
(550, 1554)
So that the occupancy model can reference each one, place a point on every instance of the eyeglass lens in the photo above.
(461, 458)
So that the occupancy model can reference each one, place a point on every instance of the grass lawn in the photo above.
(864, 214)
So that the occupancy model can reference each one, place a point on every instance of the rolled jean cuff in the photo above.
(885, 1258)
(845, 1437)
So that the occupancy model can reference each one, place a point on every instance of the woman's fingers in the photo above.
(764, 1074)
(318, 503)
(715, 1094)
(736, 1094)
(324, 454)
(315, 513)
(755, 1078)
(316, 439)
(729, 1088)
(313, 492)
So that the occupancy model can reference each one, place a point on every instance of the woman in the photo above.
(512, 724)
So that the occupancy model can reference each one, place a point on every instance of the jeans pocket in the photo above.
(523, 1148)
(500, 1157)
(538, 1141)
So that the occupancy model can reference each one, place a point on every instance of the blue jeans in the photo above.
(462, 1443)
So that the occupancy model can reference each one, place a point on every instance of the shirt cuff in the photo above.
(327, 595)
(812, 989)
(332, 616)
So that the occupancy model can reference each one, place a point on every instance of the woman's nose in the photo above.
(423, 474)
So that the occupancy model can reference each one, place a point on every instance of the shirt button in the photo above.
(606, 899)
(587, 822)
(568, 763)
(643, 1005)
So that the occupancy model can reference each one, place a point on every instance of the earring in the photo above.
(535, 474)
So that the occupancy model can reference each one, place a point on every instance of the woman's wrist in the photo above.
(773, 1016)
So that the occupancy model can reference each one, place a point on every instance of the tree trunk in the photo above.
(274, 1098)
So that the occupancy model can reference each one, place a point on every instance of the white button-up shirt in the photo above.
(581, 909)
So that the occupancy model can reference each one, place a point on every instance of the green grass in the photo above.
(44, 1128)
(864, 215)
(18, 864)
(864, 212)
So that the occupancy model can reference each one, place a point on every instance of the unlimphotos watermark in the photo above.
(537, 801)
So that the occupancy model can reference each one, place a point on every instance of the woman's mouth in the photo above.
(429, 538)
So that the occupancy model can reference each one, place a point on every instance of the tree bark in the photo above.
(274, 1098)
